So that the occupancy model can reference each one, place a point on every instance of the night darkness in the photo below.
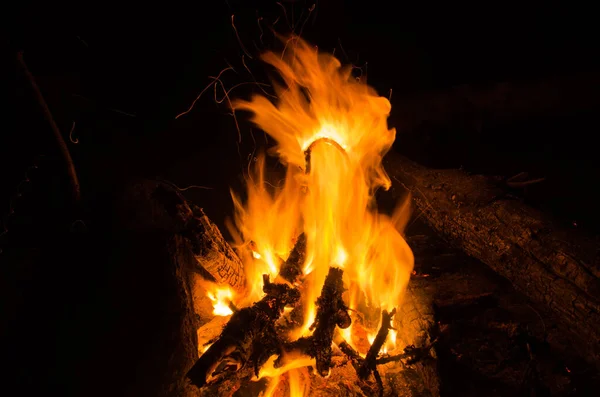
(121, 76)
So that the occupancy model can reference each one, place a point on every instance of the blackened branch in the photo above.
(369, 365)
(331, 312)
(245, 332)
(292, 268)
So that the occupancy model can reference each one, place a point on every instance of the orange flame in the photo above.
(221, 297)
(331, 132)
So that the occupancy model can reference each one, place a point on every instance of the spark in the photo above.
(285, 15)
(227, 92)
(261, 31)
(183, 189)
(238, 37)
(74, 141)
(204, 90)
(186, 188)
(254, 78)
(342, 48)
(226, 96)
(310, 10)
(286, 45)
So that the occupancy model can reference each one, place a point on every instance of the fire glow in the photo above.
(331, 132)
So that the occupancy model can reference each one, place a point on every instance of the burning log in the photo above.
(152, 326)
(292, 268)
(552, 266)
(368, 365)
(245, 331)
(215, 260)
(412, 355)
(331, 312)
(370, 361)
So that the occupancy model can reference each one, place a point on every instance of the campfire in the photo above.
(324, 272)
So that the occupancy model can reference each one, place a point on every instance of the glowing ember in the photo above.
(222, 298)
(331, 132)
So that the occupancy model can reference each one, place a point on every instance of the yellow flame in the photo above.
(321, 108)
(221, 298)
(291, 362)
(299, 382)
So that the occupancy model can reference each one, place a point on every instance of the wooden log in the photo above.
(145, 319)
(554, 267)
(331, 312)
(215, 260)
(292, 267)
(369, 364)
(213, 254)
(245, 334)
(414, 371)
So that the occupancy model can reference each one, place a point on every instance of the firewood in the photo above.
(171, 213)
(152, 326)
(331, 312)
(292, 267)
(554, 267)
(366, 366)
(369, 364)
(213, 254)
(244, 333)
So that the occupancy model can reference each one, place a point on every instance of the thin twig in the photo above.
(75, 187)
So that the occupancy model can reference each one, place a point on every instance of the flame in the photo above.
(267, 224)
(331, 133)
(299, 383)
(291, 362)
(294, 367)
(222, 298)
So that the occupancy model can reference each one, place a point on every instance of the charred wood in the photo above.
(171, 213)
(292, 268)
(331, 312)
(244, 335)
(214, 255)
(369, 364)
(152, 326)
(554, 267)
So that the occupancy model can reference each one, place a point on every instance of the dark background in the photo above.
(152, 61)
(122, 74)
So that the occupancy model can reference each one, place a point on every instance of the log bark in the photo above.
(369, 364)
(243, 342)
(292, 267)
(148, 341)
(213, 254)
(331, 313)
(414, 371)
(215, 260)
(552, 266)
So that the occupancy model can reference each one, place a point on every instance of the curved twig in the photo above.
(75, 188)
(308, 151)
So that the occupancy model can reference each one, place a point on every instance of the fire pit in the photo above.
(321, 307)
